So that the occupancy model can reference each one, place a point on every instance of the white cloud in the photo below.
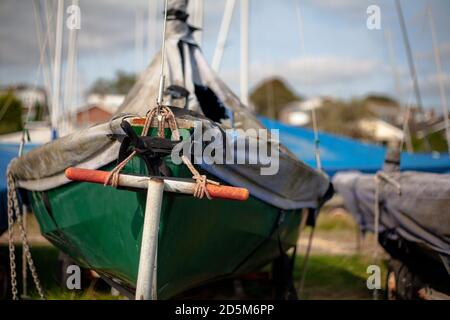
(311, 70)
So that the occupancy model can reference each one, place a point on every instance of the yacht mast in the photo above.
(440, 76)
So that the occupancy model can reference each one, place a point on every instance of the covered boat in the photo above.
(199, 240)
(410, 212)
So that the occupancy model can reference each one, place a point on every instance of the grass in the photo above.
(329, 222)
(329, 276)
(336, 277)
(45, 259)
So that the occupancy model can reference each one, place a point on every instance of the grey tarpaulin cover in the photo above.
(295, 186)
(420, 213)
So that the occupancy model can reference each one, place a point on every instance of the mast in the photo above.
(49, 9)
(440, 75)
(43, 43)
(244, 51)
(412, 67)
(162, 77)
(68, 103)
(198, 14)
(223, 34)
(391, 53)
(151, 26)
(139, 41)
(57, 69)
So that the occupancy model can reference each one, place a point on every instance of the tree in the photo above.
(10, 113)
(120, 84)
(271, 96)
(381, 99)
(342, 118)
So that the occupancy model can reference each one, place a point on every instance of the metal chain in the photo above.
(12, 256)
(13, 205)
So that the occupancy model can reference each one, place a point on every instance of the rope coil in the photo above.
(164, 115)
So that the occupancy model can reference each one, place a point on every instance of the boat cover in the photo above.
(340, 153)
(418, 212)
(296, 185)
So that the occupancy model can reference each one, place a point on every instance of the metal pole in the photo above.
(68, 102)
(139, 41)
(57, 68)
(412, 67)
(244, 51)
(223, 34)
(391, 53)
(162, 77)
(146, 287)
(313, 110)
(437, 59)
(151, 26)
(43, 43)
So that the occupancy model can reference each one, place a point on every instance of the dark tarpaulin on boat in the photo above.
(419, 213)
(295, 186)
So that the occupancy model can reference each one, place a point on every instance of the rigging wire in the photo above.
(406, 118)
(316, 148)
(440, 75)
(313, 109)
(412, 67)
(42, 53)
(163, 59)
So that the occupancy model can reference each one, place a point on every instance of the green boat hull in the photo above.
(199, 240)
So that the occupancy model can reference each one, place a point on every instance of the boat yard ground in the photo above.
(336, 270)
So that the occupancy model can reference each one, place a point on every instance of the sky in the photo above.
(339, 57)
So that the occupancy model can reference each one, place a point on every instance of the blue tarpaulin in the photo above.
(339, 153)
(8, 151)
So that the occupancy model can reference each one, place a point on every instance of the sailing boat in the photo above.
(127, 233)
(408, 211)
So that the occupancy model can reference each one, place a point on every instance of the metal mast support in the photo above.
(151, 26)
(244, 51)
(70, 81)
(412, 67)
(139, 41)
(146, 287)
(440, 75)
(57, 69)
(223, 34)
(391, 53)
